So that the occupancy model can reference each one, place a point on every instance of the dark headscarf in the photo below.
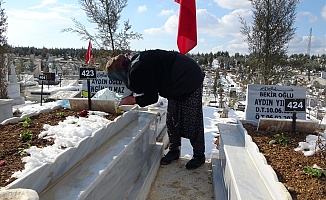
(118, 68)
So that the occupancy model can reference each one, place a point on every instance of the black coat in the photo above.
(165, 73)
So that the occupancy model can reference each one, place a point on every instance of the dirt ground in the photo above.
(174, 181)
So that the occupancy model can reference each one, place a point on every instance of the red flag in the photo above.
(187, 28)
(89, 54)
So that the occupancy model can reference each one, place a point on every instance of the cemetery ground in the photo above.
(288, 164)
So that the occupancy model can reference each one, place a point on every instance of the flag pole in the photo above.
(89, 61)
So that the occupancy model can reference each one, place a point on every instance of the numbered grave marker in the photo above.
(87, 73)
(295, 105)
(42, 77)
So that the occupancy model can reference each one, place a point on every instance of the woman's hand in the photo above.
(130, 100)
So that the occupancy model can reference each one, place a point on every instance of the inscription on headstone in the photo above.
(102, 81)
(268, 101)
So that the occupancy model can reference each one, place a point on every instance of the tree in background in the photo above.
(106, 15)
(31, 66)
(20, 69)
(4, 50)
(271, 30)
(296, 61)
(210, 59)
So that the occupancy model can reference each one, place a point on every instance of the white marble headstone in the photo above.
(12, 76)
(268, 101)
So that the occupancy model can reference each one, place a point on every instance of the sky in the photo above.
(39, 23)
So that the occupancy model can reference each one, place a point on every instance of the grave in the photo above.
(64, 95)
(14, 88)
(6, 109)
(122, 157)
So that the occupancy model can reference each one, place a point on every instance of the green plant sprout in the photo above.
(22, 151)
(313, 171)
(61, 114)
(26, 135)
(26, 121)
(280, 138)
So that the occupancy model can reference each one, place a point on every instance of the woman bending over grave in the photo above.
(175, 77)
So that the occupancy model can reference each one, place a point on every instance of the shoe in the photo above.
(195, 162)
(170, 156)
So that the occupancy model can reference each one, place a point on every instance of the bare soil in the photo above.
(173, 182)
(12, 143)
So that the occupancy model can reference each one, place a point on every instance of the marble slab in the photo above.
(12, 120)
(307, 126)
(244, 172)
(45, 175)
(18, 194)
(121, 165)
(6, 109)
(78, 104)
